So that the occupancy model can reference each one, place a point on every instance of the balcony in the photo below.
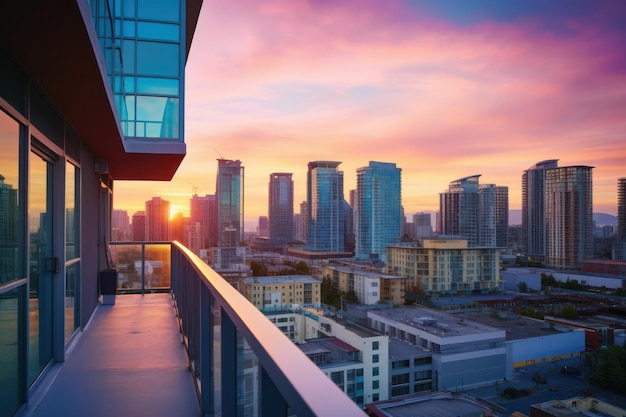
(232, 361)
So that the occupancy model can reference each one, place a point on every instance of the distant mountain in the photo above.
(601, 219)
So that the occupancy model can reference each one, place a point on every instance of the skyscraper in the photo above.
(302, 226)
(487, 215)
(203, 220)
(120, 225)
(458, 209)
(281, 207)
(229, 193)
(378, 209)
(569, 216)
(157, 220)
(422, 223)
(534, 210)
(621, 209)
(557, 214)
(502, 216)
(138, 226)
(8, 231)
(326, 211)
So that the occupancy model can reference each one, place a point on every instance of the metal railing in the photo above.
(242, 364)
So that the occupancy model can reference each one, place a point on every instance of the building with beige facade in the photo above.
(371, 287)
(280, 292)
(446, 264)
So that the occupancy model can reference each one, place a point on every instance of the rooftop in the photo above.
(338, 352)
(442, 404)
(434, 322)
(282, 279)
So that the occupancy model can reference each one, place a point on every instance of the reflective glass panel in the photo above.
(127, 260)
(9, 350)
(9, 179)
(162, 86)
(41, 265)
(157, 266)
(158, 31)
(154, 58)
(71, 299)
(168, 10)
(71, 212)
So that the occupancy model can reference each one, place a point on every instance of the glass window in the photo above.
(375, 358)
(168, 10)
(9, 182)
(375, 384)
(161, 86)
(129, 29)
(158, 31)
(10, 346)
(71, 212)
(155, 58)
(375, 345)
(375, 371)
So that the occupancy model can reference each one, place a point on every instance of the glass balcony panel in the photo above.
(157, 266)
(72, 309)
(247, 380)
(129, 29)
(216, 348)
(9, 350)
(128, 261)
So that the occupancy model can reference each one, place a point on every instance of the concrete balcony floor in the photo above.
(129, 361)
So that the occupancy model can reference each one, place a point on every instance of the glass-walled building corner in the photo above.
(143, 42)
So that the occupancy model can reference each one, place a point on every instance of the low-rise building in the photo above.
(410, 369)
(280, 292)
(464, 353)
(371, 287)
(576, 407)
(446, 264)
(356, 347)
(432, 405)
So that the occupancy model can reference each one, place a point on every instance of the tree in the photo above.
(351, 296)
(569, 312)
(330, 295)
(301, 268)
(258, 269)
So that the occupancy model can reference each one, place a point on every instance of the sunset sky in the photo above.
(445, 89)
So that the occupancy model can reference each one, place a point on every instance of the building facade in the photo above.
(157, 220)
(377, 210)
(281, 207)
(458, 208)
(326, 210)
(138, 226)
(464, 353)
(277, 293)
(445, 265)
(229, 196)
(422, 224)
(534, 210)
(203, 222)
(569, 217)
(90, 94)
(502, 216)
(370, 287)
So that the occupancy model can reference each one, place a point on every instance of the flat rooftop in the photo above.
(361, 271)
(434, 322)
(430, 405)
(282, 279)
(517, 327)
(361, 331)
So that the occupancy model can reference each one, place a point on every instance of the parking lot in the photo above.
(559, 386)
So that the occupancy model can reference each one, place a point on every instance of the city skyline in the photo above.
(443, 90)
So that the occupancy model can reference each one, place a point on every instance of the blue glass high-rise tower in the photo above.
(326, 210)
(378, 211)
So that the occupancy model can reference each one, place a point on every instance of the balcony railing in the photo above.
(241, 363)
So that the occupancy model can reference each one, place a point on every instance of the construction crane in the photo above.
(193, 187)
